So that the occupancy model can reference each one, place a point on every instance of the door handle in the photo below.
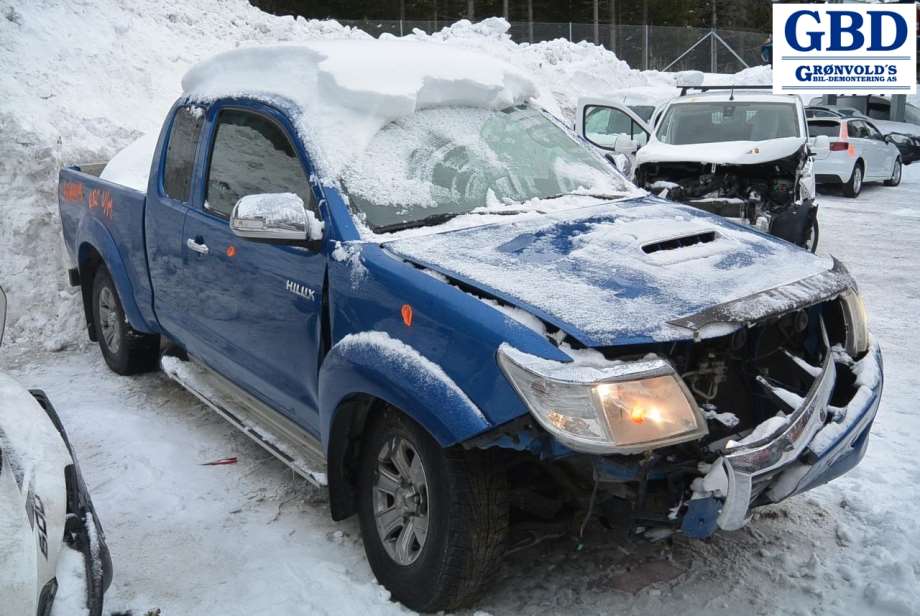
(193, 245)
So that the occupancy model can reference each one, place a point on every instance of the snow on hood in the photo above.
(585, 270)
(726, 152)
(347, 90)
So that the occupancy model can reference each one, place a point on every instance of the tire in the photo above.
(126, 351)
(462, 498)
(895, 174)
(812, 242)
(854, 185)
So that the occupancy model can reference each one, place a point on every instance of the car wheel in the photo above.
(895, 175)
(853, 187)
(126, 351)
(812, 242)
(434, 520)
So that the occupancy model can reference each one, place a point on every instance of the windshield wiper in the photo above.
(427, 221)
(582, 194)
(437, 219)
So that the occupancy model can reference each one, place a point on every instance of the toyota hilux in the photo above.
(428, 295)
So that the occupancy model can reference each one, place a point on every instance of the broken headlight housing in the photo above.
(855, 322)
(608, 407)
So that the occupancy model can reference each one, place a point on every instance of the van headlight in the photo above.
(855, 322)
(614, 407)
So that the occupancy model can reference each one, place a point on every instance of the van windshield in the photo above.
(443, 162)
(720, 121)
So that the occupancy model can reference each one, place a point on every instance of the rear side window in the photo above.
(823, 127)
(180, 152)
(858, 130)
(252, 155)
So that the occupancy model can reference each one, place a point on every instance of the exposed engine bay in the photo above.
(776, 197)
(748, 383)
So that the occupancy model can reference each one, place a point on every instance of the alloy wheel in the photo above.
(108, 320)
(400, 496)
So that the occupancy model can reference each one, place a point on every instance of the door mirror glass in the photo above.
(2, 313)
(274, 216)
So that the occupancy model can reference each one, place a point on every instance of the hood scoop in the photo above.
(674, 243)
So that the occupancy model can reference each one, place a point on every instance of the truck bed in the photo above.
(111, 217)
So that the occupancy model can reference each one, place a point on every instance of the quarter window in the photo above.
(252, 155)
(180, 152)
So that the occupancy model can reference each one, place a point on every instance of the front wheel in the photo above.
(895, 174)
(434, 520)
(126, 351)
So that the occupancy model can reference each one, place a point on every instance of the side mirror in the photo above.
(822, 142)
(2, 314)
(624, 145)
(274, 216)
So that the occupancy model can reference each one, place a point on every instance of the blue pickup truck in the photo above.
(475, 325)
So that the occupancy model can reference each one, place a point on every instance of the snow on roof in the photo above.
(345, 91)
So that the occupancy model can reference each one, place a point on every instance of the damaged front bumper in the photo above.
(819, 441)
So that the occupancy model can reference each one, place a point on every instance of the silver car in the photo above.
(857, 153)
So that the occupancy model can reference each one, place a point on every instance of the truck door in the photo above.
(255, 305)
(168, 199)
(614, 129)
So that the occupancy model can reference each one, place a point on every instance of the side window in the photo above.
(874, 133)
(604, 124)
(252, 155)
(858, 130)
(180, 152)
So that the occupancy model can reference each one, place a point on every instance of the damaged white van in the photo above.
(741, 154)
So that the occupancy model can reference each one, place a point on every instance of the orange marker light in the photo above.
(231, 251)
(407, 314)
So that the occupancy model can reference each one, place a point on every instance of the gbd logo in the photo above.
(846, 30)
(844, 49)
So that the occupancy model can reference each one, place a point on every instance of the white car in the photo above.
(738, 153)
(857, 153)
(48, 525)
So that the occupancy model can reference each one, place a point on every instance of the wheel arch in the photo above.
(355, 382)
(96, 249)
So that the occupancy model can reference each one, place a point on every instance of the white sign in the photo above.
(844, 49)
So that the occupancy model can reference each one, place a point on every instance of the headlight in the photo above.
(855, 322)
(614, 407)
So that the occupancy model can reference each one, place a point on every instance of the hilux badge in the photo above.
(298, 289)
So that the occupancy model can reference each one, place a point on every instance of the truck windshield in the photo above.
(440, 163)
(720, 121)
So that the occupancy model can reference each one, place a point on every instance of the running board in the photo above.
(276, 433)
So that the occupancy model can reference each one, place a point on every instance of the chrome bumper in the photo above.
(819, 442)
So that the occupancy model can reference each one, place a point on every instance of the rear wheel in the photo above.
(126, 351)
(895, 174)
(434, 520)
(853, 187)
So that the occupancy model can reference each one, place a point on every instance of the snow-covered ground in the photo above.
(251, 539)
(80, 80)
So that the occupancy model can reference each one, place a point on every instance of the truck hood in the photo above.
(641, 270)
(723, 153)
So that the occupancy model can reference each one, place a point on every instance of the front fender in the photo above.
(375, 364)
(92, 234)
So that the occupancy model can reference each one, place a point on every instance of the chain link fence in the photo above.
(647, 47)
